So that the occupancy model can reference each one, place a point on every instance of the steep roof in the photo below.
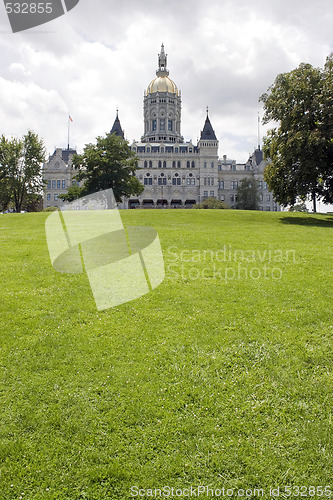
(116, 128)
(66, 153)
(208, 133)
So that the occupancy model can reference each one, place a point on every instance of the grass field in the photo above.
(220, 377)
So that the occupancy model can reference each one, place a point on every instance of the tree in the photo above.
(21, 163)
(248, 194)
(299, 207)
(300, 147)
(109, 163)
(73, 193)
(211, 202)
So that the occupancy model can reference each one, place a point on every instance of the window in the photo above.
(159, 164)
(173, 164)
(48, 197)
(265, 185)
(232, 197)
(164, 164)
(268, 197)
(55, 197)
(148, 150)
(145, 164)
(233, 184)
(193, 164)
(212, 181)
(222, 197)
(53, 184)
(219, 167)
(188, 164)
(176, 150)
(63, 184)
(147, 181)
(205, 194)
(154, 123)
(212, 164)
(205, 181)
(208, 179)
(221, 184)
(205, 165)
(211, 193)
(48, 184)
(162, 181)
(260, 185)
(170, 125)
(176, 181)
(190, 181)
(150, 164)
(233, 167)
(179, 164)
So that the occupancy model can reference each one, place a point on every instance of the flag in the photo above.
(71, 119)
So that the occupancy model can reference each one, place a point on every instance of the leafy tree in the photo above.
(300, 147)
(21, 163)
(5, 195)
(248, 194)
(299, 207)
(73, 193)
(109, 163)
(211, 202)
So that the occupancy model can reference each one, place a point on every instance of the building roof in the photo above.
(66, 153)
(116, 128)
(208, 133)
(162, 83)
(259, 156)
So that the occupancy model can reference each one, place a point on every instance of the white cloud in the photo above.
(103, 54)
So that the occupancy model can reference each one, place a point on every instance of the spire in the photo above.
(116, 128)
(208, 133)
(162, 63)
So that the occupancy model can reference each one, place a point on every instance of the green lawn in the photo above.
(221, 376)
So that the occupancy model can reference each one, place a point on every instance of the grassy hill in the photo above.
(221, 376)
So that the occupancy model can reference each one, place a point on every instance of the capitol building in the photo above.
(175, 173)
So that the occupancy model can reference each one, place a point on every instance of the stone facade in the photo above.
(177, 174)
(58, 173)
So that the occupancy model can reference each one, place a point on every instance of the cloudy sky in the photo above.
(102, 55)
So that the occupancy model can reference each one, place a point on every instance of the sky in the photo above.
(102, 55)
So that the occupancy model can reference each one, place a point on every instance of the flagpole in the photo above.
(69, 122)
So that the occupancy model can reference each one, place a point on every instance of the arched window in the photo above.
(193, 164)
(188, 165)
(164, 164)
(145, 164)
(173, 164)
(150, 164)
(178, 164)
(159, 164)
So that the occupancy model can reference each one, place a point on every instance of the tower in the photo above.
(116, 128)
(208, 153)
(162, 107)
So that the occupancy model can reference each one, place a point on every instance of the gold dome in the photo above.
(162, 84)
